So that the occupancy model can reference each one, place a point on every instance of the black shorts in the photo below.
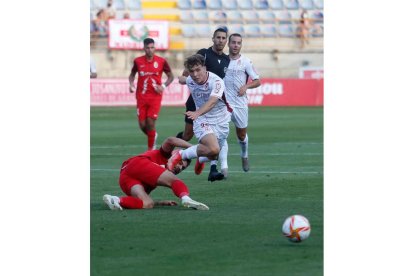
(189, 106)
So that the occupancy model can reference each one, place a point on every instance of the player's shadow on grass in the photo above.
(97, 206)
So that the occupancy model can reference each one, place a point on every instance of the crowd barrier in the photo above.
(272, 92)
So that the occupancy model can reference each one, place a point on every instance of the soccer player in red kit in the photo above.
(143, 173)
(149, 88)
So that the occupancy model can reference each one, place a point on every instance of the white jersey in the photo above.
(236, 76)
(213, 87)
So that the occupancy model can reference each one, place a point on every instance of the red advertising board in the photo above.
(272, 92)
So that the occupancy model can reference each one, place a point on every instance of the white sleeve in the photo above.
(250, 70)
(217, 88)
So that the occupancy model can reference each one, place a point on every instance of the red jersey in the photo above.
(149, 75)
(158, 156)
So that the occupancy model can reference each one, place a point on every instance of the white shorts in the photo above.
(240, 116)
(201, 128)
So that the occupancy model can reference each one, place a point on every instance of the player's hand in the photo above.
(193, 115)
(167, 203)
(158, 89)
(132, 88)
(182, 79)
(242, 91)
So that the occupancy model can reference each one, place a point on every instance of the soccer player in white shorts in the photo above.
(236, 82)
(211, 117)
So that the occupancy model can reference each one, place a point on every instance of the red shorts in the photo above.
(141, 171)
(148, 108)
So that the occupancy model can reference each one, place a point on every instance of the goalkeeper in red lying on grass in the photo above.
(143, 173)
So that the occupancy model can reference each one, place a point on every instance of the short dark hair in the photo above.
(148, 40)
(194, 60)
(235, 34)
(222, 29)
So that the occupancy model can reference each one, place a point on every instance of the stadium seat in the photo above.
(218, 16)
(250, 17)
(203, 30)
(134, 4)
(317, 16)
(286, 31)
(317, 30)
(92, 5)
(101, 4)
(276, 4)
(184, 4)
(136, 14)
(252, 30)
(295, 16)
(119, 14)
(201, 16)
(245, 4)
(306, 4)
(292, 4)
(119, 4)
(199, 4)
(186, 17)
(214, 4)
(261, 4)
(283, 17)
(236, 29)
(188, 31)
(234, 17)
(318, 4)
(268, 30)
(230, 4)
(267, 16)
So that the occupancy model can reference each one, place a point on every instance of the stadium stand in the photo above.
(292, 4)
(134, 4)
(191, 23)
(234, 17)
(267, 16)
(276, 4)
(199, 4)
(214, 4)
(306, 4)
(261, 4)
(184, 4)
(230, 4)
(245, 4)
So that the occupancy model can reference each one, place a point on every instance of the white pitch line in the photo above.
(231, 154)
(250, 172)
(144, 145)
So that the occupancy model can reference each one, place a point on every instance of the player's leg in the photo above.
(224, 167)
(141, 116)
(152, 115)
(188, 133)
(179, 188)
(244, 146)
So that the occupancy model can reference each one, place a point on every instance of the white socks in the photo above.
(244, 145)
(189, 153)
(223, 155)
(203, 159)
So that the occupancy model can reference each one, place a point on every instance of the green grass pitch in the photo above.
(241, 233)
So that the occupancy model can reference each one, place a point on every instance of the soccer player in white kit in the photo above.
(211, 117)
(236, 82)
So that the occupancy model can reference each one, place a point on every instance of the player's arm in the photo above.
(251, 72)
(171, 142)
(132, 78)
(183, 77)
(203, 109)
(165, 203)
(170, 78)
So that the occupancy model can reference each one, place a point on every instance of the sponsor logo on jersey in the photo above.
(219, 60)
(218, 86)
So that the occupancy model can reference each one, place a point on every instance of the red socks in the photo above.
(130, 202)
(179, 188)
(151, 138)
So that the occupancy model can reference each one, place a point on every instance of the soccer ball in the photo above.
(296, 228)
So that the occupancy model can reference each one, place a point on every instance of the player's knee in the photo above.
(148, 204)
(214, 151)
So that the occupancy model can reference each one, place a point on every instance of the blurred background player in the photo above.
(216, 61)
(143, 173)
(210, 119)
(236, 81)
(149, 88)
